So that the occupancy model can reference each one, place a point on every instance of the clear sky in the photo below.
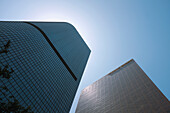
(114, 30)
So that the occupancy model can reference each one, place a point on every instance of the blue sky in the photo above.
(115, 31)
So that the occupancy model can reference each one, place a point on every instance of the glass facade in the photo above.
(125, 90)
(42, 78)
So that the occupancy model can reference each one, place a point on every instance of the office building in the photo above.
(45, 61)
(125, 90)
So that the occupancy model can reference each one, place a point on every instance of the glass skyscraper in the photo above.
(46, 61)
(125, 90)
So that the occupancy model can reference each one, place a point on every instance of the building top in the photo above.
(69, 44)
(114, 71)
(121, 66)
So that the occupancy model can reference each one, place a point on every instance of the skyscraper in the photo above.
(127, 89)
(45, 62)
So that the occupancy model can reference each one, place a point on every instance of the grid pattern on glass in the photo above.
(40, 79)
(69, 44)
(126, 90)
